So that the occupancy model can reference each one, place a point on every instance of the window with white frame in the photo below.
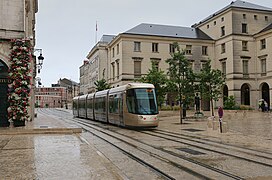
(244, 28)
(155, 47)
(188, 49)
(113, 70)
(117, 68)
(171, 48)
(137, 46)
(245, 67)
(223, 48)
(117, 49)
(205, 50)
(263, 66)
(263, 44)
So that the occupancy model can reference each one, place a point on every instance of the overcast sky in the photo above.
(65, 29)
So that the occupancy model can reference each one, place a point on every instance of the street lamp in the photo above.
(40, 60)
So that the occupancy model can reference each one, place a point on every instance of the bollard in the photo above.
(224, 127)
(220, 124)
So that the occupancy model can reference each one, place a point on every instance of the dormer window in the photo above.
(244, 16)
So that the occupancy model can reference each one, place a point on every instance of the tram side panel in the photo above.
(82, 106)
(90, 106)
(115, 110)
(100, 106)
(75, 107)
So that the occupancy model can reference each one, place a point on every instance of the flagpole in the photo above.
(96, 32)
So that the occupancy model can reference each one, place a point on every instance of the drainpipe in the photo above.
(256, 74)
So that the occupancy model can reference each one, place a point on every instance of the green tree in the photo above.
(101, 85)
(211, 83)
(182, 75)
(159, 80)
(229, 102)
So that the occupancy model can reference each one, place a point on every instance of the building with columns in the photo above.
(17, 22)
(237, 39)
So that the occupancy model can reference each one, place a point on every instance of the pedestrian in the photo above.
(263, 106)
(197, 103)
(220, 114)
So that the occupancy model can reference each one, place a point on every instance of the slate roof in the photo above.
(266, 28)
(236, 4)
(168, 31)
(107, 38)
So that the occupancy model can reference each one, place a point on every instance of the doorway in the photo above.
(3, 94)
(245, 95)
(265, 93)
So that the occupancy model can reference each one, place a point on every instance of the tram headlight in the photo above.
(142, 118)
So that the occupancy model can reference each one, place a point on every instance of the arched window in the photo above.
(265, 93)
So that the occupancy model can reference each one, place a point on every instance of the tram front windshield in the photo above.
(142, 101)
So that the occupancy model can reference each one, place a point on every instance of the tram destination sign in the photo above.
(5, 81)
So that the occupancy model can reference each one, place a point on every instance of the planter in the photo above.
(18, 123)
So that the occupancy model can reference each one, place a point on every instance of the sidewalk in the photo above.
(42, 125)
(48, 148)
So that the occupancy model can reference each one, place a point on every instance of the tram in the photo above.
(130, 105)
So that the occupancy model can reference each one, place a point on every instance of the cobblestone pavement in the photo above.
(64, 154)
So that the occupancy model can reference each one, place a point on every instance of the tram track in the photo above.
(87, 127)
(206, 140)
(173, 163)
(192, 172)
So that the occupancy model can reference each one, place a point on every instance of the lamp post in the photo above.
(40, 60)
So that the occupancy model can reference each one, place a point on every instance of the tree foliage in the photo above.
(181, 73)
(101, 85)
(211, 83)
(159, 79)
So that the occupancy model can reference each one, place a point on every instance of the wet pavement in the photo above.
(50, 148)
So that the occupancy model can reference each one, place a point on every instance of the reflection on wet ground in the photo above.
(49, 157)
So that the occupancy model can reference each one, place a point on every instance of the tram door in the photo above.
(121, 117)
(3, 95)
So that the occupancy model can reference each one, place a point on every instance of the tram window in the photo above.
(113, 103)
(90, 104)
(141, 101)
(100, 105)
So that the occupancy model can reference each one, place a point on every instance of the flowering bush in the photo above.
(20, 78)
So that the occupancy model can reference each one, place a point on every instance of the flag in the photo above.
(96, 26)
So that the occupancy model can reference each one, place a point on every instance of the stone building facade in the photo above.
(237, 38)
(94, 67)
(17, 22)
(51, 97)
